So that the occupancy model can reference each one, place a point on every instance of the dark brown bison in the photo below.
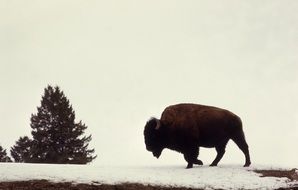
(186, 127)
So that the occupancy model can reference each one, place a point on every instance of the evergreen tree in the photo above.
(3, 155)
(21, 150)
(57, 138)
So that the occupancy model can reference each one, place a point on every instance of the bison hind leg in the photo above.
(240, 141)
(220, 152)
(220, 149)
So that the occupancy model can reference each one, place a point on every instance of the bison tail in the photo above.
(237, 129)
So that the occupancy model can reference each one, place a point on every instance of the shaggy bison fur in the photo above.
(186, 127)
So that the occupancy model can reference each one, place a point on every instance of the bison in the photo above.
(186, 127)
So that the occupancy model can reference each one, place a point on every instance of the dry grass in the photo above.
(290, 174)
(46, 185)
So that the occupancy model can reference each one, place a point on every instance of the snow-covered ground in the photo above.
(222, 177)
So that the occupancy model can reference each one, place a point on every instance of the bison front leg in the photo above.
(191, 158)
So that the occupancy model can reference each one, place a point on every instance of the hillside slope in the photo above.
(139, 177)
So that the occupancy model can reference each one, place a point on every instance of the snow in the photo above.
(222, 177)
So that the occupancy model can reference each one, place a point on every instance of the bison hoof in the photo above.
(189, 166)
(212, 165)
(246, 164)
(199, 162)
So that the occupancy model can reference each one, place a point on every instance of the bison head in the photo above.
(153, 137)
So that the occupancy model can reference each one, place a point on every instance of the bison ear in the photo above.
(157, 124)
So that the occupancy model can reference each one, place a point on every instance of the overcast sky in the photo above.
(121, 62)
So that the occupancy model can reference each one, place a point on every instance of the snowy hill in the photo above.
(223, 177)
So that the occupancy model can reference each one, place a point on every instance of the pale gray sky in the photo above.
(121, 62)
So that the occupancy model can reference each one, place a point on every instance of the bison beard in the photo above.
(186, 127)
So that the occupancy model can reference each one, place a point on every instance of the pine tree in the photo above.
(57, 138)
(21, 150)
(3, 155)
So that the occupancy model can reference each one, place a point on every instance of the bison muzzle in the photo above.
(186, 127)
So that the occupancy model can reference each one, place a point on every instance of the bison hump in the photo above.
(177, 115)
(192, 114)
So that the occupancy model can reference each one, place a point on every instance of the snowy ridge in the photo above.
(222, 177)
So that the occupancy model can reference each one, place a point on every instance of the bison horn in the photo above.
(157, 124)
